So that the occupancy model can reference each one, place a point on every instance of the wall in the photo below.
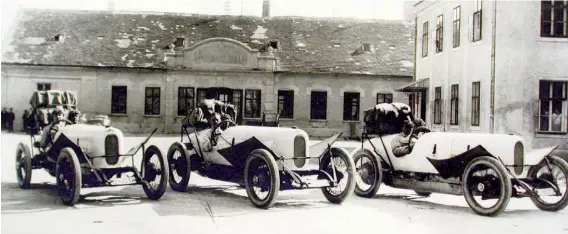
(94, 92)
(469, 62)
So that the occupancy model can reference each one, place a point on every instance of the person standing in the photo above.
(4, 118)
(11, 117)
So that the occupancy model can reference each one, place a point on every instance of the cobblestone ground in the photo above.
(215, 207)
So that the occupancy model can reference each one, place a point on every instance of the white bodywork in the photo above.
(91, 139)
(451, 144)
(280, 140)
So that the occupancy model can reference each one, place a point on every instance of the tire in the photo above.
(264, 157)
(23, 165)
(349, 172)
(68, 168)
(181, 165)
(373, 168)
(505, 186)
(563, 166)
(423, 194)
(151, 172)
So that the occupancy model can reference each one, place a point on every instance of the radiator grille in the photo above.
(299, 151)
(111, 149)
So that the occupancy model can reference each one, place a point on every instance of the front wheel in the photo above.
(487, 178)
(69, 177)
(180, 167)
(369, 173)
(556, 172)
(345, 172)
(23, 165)
(262, 179)
(155, 173)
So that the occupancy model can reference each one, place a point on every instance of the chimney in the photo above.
(110, 6)
(266, 8)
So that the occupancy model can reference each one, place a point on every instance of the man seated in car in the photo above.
(47, 135)
(402, 144)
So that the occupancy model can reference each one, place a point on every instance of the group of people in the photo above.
(57, 122)
(206, 118)
(8, 118)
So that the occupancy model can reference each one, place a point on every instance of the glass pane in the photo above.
(156, 92)
(559, 29)
(544, 89)
(557, 90)
(148, 91)
(556, 117)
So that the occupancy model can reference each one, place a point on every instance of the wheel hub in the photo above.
(480, 187)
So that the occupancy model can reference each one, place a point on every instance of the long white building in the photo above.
(493, 66)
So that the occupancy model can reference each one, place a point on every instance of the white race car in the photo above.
(86, 155)
(481, 167)
(265, 160)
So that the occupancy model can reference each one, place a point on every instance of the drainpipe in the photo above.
(492, 92)
(415, 44)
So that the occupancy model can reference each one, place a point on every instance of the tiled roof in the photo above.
(98, 38)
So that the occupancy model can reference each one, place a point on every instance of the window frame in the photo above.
(454, 104)
(286, 99)
(384, 97)
(550, 99)
(253, 114)
(115, 100)
(478, 11)
(552, 21)
(184, 110)
(153, 97)
(440, 33)
(456, 27)
(351, 102)
(425, 29)
(475, 103)
(315, 115)
(437, 105)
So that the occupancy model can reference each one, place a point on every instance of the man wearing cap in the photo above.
(47, 136)
(402, 144)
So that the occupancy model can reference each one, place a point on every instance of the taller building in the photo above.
(494, 66)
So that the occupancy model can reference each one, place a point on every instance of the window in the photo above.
(440, 34)
(201, 94)
(152, 106)
(185, 100)
(118, 100)
(286, 104)
(425, 39)
(475, 103)
(252, 103)
(384, 98)
(477, 21)
(454, 102)
(238, 101)
(438, 105)
(457, 25)
(552, 95)
(43, 86)
(351, 106)
(554, 16)
(318, 108)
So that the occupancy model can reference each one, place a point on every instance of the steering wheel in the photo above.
(52, 128)
(224, 124)
(419, 130)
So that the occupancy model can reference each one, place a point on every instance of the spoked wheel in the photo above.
(486, 179)
(262, 180)
(23, 165)
(345, 171)
(68, 176)
(155, 173)
(179, 166)
(369, 174)
(556, 173)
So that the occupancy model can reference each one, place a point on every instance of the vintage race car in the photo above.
(265, 160)
(481, 167)
(88, 154)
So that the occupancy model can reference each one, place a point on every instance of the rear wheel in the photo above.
(180, 167)
(344, 167)
(262, 179)
(486, 178)
(557, 175)
(23, 165)
(155, 173)
(369, 174)
(69, 177)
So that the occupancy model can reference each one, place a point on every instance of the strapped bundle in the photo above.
(386, 118)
